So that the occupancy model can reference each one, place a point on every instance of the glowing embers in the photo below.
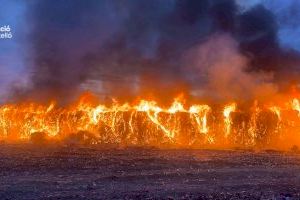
(227, 120)
(173, 121)
(296, 106)
(147, 123)
(200, 112)
(141, 123)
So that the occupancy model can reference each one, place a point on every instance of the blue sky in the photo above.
(12, 51)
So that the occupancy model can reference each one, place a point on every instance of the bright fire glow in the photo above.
(227, 120)
(296, 105)
(147, 123)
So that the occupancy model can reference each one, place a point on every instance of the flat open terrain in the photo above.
(64, 172)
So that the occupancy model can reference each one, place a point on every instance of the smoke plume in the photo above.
(118, 48)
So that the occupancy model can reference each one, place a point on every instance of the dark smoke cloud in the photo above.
(257, 32)
(125, 48)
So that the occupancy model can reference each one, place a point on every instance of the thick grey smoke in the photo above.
(139, 47)
(225, 70)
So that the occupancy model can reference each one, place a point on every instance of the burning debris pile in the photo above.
(212, 51)
(147, 123)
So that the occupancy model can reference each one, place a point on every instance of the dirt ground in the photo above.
(65, 172)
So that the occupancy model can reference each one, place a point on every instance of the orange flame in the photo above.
(144, 122)
(227, 120)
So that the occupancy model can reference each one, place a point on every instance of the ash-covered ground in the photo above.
(80, 172)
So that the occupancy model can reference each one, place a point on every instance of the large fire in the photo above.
(147, 123)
